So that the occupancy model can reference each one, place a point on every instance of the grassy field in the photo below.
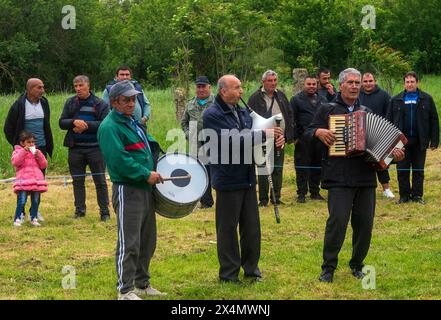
(405, 250)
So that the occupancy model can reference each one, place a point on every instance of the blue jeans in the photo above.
(22, 197)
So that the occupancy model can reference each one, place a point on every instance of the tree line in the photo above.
(169, 42)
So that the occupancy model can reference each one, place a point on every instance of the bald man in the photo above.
(235, 182)
(30, 112)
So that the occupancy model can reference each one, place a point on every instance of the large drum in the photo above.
(177, 198)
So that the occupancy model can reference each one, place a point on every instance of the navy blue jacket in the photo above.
(378, 101)
(426, 118)
(236, 174)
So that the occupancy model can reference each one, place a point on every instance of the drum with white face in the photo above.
(177, 198)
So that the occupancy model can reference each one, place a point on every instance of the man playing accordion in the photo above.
(351, 183)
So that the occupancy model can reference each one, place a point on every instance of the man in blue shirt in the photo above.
(142, 107)
(414, 112)
(81, 117)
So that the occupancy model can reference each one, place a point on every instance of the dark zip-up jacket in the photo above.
(15, 122)
(258, 104)
(304, 111)
(341, 171)
(71, 109)
(426, 118)
(230, 176)
(378, 101)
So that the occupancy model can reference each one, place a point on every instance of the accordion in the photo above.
(368, 134)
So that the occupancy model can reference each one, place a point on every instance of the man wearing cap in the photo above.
(193, 117)
(82, 115)
(131, 154)
(142, 106)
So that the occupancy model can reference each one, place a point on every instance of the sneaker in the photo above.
(35, 222)
(301, 199)
(327, 276)
(149, 291)
(40, 217)
(358, 273)
(18, 223)
(79, 214)
(105, 217)
(388, 194)
(131, 295)
(403, 199)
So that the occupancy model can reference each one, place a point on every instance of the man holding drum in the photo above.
(130, 154)
(234, 180)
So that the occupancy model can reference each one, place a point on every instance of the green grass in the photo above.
(405, 250)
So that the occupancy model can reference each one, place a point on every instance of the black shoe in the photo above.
(253, 279)
(233, 281)
(301, 199)
(79, 214)
(317, 196)
(358, 273)
(327, 276)
(263, 204)
(403, 200)
(205, 206)
(105, 217)
(418, 199)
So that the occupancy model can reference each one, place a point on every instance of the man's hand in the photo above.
(80, 126)
(326, 136)
(143, 120)
(398, 155)
(330, 88)
(154, 178)
(277, 133)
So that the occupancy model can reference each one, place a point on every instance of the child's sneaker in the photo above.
(39, 216)
(35, 223)
(17, 223)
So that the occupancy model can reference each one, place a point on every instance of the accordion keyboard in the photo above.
(337, 124)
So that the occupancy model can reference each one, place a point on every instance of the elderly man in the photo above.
(131, 153)
(413, 111)
(325, 88)
(81, 117)
(235, 182)
(31, 112)
(268, 101)
(350, 181)
(376, 99)
(307, 154)
(142, 108)
(193, 113)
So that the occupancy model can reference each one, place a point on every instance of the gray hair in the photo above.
(268, 73)
(343, 75)
(81, 78)
(222, 82)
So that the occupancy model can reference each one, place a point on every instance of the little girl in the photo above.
(29, 179)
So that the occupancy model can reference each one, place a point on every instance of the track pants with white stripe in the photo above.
(134, 209)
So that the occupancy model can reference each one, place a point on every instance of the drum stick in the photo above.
(176, 178)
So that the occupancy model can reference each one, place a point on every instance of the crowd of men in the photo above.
(112, 132)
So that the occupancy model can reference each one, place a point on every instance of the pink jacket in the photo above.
(29, 176)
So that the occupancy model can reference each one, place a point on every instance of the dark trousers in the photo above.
(134, 209)
(44, 152)
(277, 176)
(207, 198)
(383, 176)
(78, 159)
(415, 158)
(22, 197)
(307, 160)
(358, 205)
(233, 208)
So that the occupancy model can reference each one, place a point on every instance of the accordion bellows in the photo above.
(365, 133)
